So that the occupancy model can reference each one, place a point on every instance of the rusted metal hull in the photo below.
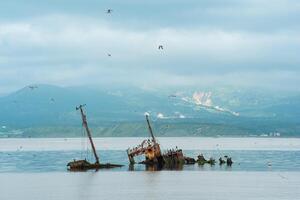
(83, 165)
(149, 149)
(174, 157)
(171, 160)
(155, 160)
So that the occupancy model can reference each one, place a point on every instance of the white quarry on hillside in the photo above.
(202, 98)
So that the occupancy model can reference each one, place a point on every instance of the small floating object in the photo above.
(189, 160)
(20, 148)
(201, 160)
(221, 161)
(211, 161)
(109, 11)
(229, 161)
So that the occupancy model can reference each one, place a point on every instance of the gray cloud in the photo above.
(251, 43)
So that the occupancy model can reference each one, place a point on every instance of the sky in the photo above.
(207, 43)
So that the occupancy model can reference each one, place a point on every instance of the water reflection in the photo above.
(156, 167)
(131, 167)
(176, 167)
(153, 167)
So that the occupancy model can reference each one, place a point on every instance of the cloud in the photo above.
(70, 47)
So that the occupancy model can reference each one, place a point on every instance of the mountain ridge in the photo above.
(35, 107)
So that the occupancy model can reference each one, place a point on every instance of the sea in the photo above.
(263, 168)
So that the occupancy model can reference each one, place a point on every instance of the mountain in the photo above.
(49, 111)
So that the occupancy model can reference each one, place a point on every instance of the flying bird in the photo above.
(32, 87)
(109, 54)
(109, 11)
(160, 47)
(283, 177)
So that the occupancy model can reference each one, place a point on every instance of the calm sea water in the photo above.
(248, 154)
(162, 185)
(55, 161)
(263, 169)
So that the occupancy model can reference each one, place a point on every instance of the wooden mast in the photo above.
(150, 129)
(84, 123)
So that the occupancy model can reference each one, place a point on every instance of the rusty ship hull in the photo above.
(84, 165)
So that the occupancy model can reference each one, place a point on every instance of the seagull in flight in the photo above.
(109, 11)
(32, 87)
(160, 47)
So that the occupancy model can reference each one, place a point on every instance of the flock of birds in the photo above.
(34, 87)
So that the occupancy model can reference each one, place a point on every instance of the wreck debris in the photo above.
(153, 155)
(211, 161)
(154, 159)
(149, 147)
(82, 165)
(229, 161)
(201, 160)
(173, 158)
(189, 160)
(221, 161)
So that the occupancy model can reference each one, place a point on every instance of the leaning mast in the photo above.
(150, 128)
(85, 125)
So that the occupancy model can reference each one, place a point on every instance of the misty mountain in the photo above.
(218, 111)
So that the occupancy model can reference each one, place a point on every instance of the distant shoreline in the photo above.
(281, 137)
(122, 143)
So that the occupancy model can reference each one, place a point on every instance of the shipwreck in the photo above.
(149, 147)
(154, 158)
(83, 165)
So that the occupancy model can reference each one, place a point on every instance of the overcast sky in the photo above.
(252, 43)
